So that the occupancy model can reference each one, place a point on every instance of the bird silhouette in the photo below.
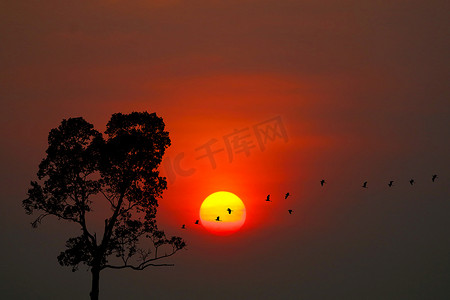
(434, 177)
(287, 195)
(290, 211)
(411, 181)
(196, 222)
(364, 185)
(183, 226)
(218, 218)
(390, 183)
(229, 211)
(322, 182)
(268, 198)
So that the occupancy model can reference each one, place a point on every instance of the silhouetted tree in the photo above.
(120, 169)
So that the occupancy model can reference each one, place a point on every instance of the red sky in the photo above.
(361, 88)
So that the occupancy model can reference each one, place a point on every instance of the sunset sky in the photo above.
(352, 91)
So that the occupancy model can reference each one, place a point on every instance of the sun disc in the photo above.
(222, 213)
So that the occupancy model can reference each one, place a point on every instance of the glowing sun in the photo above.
(222, 213)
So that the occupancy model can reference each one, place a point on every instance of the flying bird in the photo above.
(218, 218)
(322, 182)
(183, 226)
(364, 185)
(229, 210)
(390, 183)
(268, 198)
(287, 195)
(290, 211)
(411, 181)
(434, 178)
(196, 222)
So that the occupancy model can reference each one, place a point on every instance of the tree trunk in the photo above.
(95, 283)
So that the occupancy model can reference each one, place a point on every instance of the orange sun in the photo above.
(222, 213)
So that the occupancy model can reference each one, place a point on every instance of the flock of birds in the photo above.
(229, 210)
(322, 182)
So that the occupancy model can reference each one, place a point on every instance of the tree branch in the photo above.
(112, 221)
(137, 268)
(109, 200)
(145, 263)
(39, 220)
(82, 222)
(130, 207)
